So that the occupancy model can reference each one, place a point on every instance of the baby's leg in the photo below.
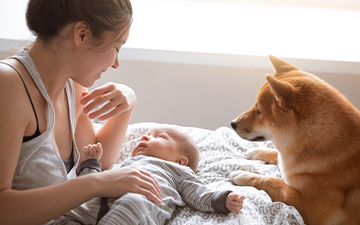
(134, 208)
(84, 214)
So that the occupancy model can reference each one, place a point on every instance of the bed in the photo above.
(222, 151)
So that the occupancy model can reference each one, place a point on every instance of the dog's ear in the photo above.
(280, 65)
(283, 91)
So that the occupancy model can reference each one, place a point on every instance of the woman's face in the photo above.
(93, 61)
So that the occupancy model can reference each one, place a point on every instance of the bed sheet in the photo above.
(221, 152)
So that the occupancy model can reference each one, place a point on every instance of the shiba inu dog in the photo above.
(316, 131)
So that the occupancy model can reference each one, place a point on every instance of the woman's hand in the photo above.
(111, 98)
(117, 182)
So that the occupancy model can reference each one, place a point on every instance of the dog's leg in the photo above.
(267, 155)
(312, 211)
(275, 187)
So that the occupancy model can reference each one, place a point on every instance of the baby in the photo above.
(172, 157)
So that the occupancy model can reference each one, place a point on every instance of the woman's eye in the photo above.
(117, 50)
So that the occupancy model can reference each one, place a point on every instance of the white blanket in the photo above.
(221, 152)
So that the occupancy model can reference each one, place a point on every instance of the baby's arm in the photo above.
(234, 202)
(91, 163)
(200, 197)
(92, 151)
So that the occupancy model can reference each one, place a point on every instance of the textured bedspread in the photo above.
(222, 151)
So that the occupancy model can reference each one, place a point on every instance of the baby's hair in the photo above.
(47, 18)
(189, 148)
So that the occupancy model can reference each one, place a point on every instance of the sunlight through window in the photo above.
(248, 28)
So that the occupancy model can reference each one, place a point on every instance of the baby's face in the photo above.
(160, 142)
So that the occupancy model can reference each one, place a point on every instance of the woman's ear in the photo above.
(81, 33)
(182, 161)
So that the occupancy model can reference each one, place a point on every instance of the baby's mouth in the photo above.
(139, 149)
(140, 145)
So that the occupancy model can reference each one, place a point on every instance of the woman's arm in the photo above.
(38, 205)
(120, 101)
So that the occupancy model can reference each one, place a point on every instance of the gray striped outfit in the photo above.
(179, 186)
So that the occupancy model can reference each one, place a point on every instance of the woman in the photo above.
(46, 111)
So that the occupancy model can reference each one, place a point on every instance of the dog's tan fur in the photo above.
(316, 131)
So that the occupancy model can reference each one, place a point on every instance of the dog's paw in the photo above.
(267, 155)
(242, 178)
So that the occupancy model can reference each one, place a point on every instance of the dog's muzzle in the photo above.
(233, 124)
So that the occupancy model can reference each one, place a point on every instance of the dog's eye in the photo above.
(258, 111)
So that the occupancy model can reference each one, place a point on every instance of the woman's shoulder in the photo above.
(12, 91)
(9, 77)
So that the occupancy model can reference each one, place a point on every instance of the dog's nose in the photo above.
(233, 125)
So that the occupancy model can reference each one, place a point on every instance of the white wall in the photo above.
(208, 91)
(201, 62)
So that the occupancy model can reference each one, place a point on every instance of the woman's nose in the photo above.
(145, 138)
(116, 64)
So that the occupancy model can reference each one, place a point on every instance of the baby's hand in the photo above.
(92, 151)
(234, 202)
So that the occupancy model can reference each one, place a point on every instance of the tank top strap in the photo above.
(70, 92)
(37, 132)
(29, 64)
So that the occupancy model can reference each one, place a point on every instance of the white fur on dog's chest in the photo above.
(287, 169)
(283, 174)
(290, 171)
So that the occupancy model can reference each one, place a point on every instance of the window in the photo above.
(315, 29)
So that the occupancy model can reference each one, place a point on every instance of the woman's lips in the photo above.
(98, 76)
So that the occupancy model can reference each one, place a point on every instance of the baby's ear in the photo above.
(182, 161)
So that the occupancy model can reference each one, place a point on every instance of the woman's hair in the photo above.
(47, 18)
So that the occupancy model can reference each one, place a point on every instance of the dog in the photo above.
(316, 132)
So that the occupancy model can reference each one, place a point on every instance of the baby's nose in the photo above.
(145, 138)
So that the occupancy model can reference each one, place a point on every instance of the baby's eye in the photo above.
(117, 50)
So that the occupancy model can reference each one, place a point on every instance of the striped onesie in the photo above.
(179, 187)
